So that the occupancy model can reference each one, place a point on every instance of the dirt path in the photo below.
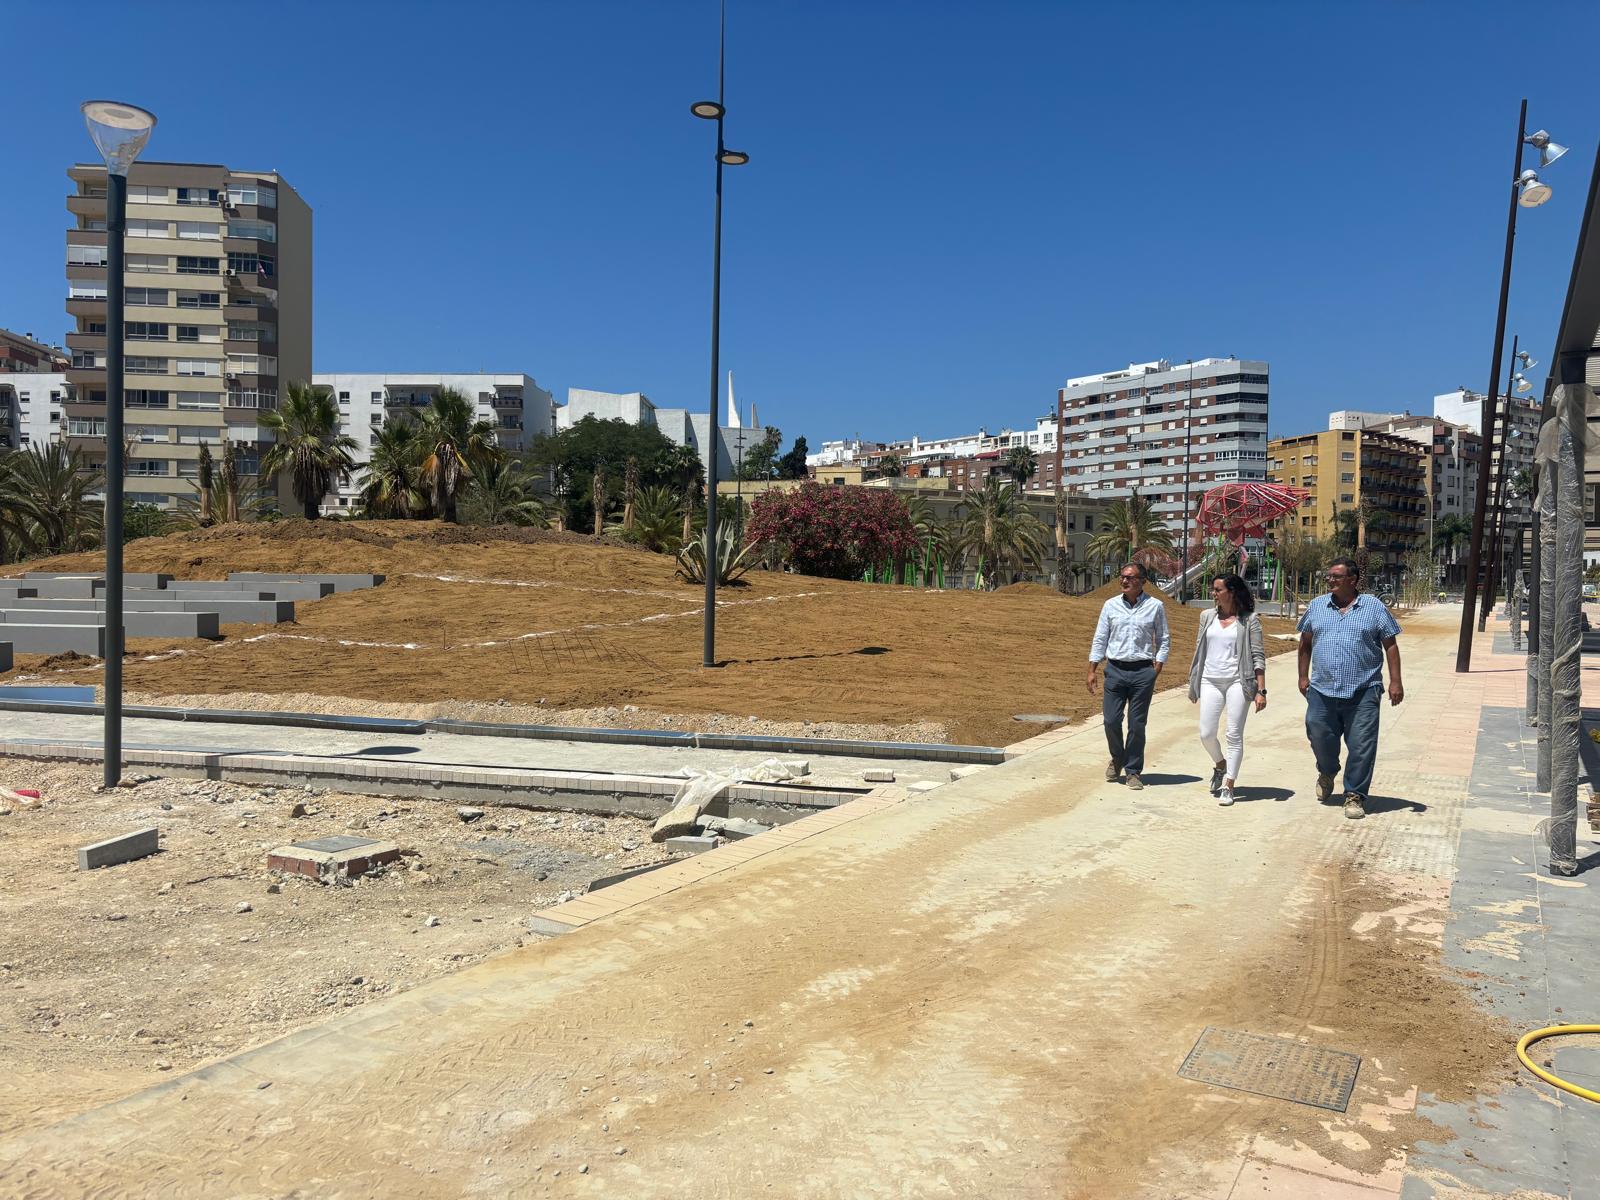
(986, 992)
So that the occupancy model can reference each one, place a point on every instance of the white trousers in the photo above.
(1215, 694)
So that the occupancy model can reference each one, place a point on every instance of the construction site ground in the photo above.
(982, 990)
(538, 627)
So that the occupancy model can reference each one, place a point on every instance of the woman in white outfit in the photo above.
(1229, 672)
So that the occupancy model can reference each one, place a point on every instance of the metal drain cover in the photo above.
(335, 845)
(1269, 1066)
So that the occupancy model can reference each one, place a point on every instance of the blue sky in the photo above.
(950, 208)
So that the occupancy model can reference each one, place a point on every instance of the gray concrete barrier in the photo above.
(56, 639)
(163, 624)
(5, 657)
(341, 583)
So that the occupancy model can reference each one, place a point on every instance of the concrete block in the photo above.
(136, 579)
(332, 857)
(341, 583)
(735, 829)
(878, 775)
(134, 624)
(11, 589)
(124, 848)
(964, 772)
(5, 657)
(693, 845)
(244, 612)
(56, 639)
(174, 596)
(67, 589)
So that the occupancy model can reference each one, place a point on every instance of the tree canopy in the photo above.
(574, 454)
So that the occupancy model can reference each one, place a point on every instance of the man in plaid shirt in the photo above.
(1345, 639)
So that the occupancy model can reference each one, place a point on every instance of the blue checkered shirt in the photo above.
(1347, 647)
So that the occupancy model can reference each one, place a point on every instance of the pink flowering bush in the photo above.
(832, 531)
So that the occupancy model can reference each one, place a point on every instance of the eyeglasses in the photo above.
(1129, 578)
(1342, 575)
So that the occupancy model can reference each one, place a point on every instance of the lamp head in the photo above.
(1530, 192)
(1527, 360)
(119, 131)
(708, 110)
(1522, 384)
(734, 158)
(1548, 151)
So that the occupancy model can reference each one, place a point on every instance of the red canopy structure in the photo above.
(1244, 510)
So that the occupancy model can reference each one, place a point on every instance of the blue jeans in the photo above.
(1353, 719)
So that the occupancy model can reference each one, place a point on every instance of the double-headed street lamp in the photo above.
(119, 132)
(1527, 191)
(715, 110)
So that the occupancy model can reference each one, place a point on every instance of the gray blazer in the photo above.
(1252, 653)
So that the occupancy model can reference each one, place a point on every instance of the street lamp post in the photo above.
(1494, 567)
(715, 110)
(1526, 192)
(119, 132)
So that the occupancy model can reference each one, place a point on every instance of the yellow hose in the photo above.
(1554, 1080)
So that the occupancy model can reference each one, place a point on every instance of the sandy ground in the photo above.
(558, 622)
(110, 979)
(985, 992)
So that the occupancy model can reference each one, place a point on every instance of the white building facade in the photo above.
(1126, 430)
(1465, 407)
(31, 409)
(518, 408)
(681, 426)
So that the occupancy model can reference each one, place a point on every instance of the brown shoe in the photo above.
(1324, 788)
(1353, 808)
(1113, 771)
(1134, 782)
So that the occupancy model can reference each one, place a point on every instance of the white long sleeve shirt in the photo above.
(1131, 632)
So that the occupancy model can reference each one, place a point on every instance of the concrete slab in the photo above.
(135, 624)
(56, 639)
(341, 583)
(333, 857)
(126, 847)
(5, 656)
(67, 589)
(244, 610)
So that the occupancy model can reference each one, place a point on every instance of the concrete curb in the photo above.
(647, 796)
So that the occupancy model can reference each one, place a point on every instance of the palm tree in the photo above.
(501, 493)
(1130, 532)
(1021, 464)
(309, 445)
(1061, 537)
(454, 444)
(45, 494)
(14, 525)
(228, 480)
(204, 482)
(1449, 531)
(996, 524)
(390, 484)
(890, 466)
(598, 498)
(630, 491)
(656, 521)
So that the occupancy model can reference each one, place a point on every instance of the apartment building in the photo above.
(1346, 469)
(32, 408)
(20, 353)
(217, 290)
(1465, 407)
(1125, 430)
(515, 405)
(938, 457)
(1451, 460)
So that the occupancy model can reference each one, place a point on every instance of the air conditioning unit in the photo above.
(231, 375)
(231, 273)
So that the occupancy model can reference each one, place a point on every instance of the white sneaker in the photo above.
(1225, 796)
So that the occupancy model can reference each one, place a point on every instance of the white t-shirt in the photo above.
(1222, 651)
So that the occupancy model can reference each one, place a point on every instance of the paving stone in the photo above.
(693, 845)
(124, 848)
(332, 858)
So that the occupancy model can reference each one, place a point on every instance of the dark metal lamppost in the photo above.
(1516, 384)
(119, 132)
(715, 110)
(1526, 192)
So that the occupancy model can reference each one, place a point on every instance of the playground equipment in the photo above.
(1238, 512)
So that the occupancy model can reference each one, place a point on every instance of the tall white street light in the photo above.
(120, 132)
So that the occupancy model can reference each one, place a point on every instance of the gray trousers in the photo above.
(1128, 690)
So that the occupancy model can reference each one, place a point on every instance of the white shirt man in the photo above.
(1133, 640)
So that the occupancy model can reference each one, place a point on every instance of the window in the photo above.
(142, 398)
(147, 229)
(86, 289)
(146, 331)
(1347, 498)
(86, 427)
(86, 256)
(147, 433)
(253, 193)
(199, 366)
(200, 231)
(138, 364)
(95, 224)
(189, 265)
(197, 195)
(264, 231)
(197, 401)
(189, 333)
(198, 299)
(1347, 477)
(141, 193)
(344, 397)
(251, 333)
(251, 264)
(88, 360)
(84, 326)
(377, 395)
(158, 264)
(145, 297)
(146, 466)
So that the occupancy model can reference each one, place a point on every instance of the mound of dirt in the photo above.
(1015, 591)
(1112, 590)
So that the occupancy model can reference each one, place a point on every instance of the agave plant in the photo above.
(733, 560)
(656, 521)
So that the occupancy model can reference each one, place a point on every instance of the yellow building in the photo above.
(1380, 475)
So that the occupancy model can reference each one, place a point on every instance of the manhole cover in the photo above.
(333, 845)
(1269, 1066)
(1039, 718)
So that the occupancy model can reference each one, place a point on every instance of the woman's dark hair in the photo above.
(1243, 602)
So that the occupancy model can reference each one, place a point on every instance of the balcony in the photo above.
(87, 206)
